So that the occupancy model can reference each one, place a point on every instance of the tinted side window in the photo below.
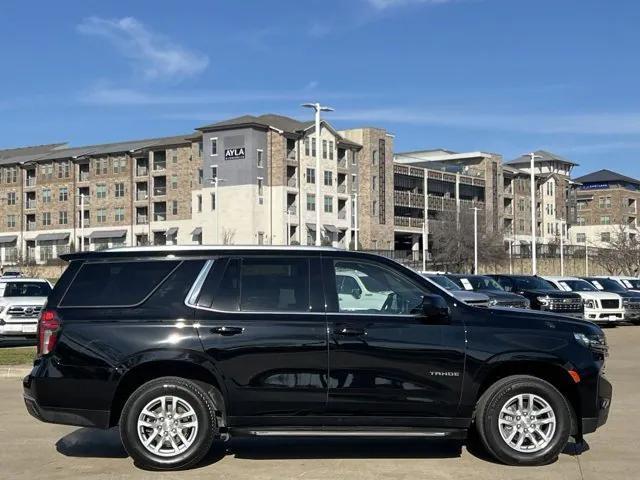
(116, 284)
(275, 284)
(505, 283)
(27, 289)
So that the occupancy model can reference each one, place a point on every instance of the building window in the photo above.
(328, 178)
(324, 149)
(46, 219)
(374, 183)
(63, 194)
(354, 158)
(605, 236)
(330, 149)
(581, 221)
(260, 190)
(101, 215)
(119, 214)
(214, 172)
(174, 182)
(374, 207)
(354, 182)
(311, 175)
(200, 176)
(328, 204)
(306, 146)
(214, 146)
(64, 170)
(63, 218)
(260, 238)
(374, 159)
(119, 190)
(11, 198)
(259, 158)
(313, 147)
(311, 202)
(174, 159)
(605, 220)
(46, 195)
(101, 191)
(11, 221)
(199, 203)
(581, 237)
(213, 201)
(174, 207)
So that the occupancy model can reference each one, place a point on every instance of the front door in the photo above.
(385, 359)
(264, 328)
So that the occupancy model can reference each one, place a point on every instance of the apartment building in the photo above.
(260, 175)
(607, 204)
(247, 180)
(555, 198)
(453, 182)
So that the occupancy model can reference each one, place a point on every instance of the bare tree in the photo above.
(228, 236)
(621, 254)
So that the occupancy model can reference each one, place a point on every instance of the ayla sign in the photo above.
(234, 153)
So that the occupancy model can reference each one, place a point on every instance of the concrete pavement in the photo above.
(32, 450)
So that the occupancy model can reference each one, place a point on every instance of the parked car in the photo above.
(470, 298)
(357, 291)
(11, 274)
(630, 283)
(599, 307)
(182, 345)
(498, 297)
(21, 300)
(542, 295)
(630, 298)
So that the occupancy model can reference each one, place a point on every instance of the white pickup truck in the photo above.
(21, 300)
(599, 307)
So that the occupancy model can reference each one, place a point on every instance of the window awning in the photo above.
(108, 234)
(311, 226)
(51, 236)
(172, 231)
(330, 228)
(8, 238)
(197, 231)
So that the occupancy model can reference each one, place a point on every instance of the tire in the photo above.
(197, 424)
(543, 438)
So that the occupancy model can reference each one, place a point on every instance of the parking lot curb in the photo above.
(14, 371)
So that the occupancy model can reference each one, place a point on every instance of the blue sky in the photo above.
(505, 76)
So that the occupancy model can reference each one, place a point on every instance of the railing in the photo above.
(342, 163)
(342, 215)
(159, 216)
(291, 156)
(142, 195)
(142, 220)
(31, 226)
(159, 166)
(84, 175)
(142, 171)
(292, 209)
(408, 199)
(408, 222)
(30, 181)
(159, 191)
(292, 182)
(342, 188)
(30, 204)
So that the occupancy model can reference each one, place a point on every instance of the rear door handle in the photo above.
(349, 331)
(227, 331)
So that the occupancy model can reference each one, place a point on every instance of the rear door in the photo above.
(262, 323)
(385, 360)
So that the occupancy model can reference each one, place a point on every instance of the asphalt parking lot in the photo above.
(30, 449)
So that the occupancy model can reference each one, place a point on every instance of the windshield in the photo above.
(577, 286)
(481, 283)
(443, 281)
(26, 289)
(371, 284)
(533, 283)
(607, 284)
(634, 282)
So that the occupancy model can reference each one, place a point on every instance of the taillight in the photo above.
(48, 325)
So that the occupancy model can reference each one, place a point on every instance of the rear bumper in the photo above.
(64, 416)
(605, 392)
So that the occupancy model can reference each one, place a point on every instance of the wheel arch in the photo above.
(145, 371)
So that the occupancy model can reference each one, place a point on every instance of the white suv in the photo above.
(359, 291)
(21, 300)
(599, 307)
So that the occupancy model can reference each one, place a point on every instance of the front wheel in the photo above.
(168, 424)
(523, 420)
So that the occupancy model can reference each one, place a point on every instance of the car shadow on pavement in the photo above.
(92, 442)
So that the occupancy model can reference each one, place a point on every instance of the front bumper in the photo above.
(605, 393)
(64, 416)
(604, 315)
(27, 327)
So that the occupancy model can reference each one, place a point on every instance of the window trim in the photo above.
(211, 145)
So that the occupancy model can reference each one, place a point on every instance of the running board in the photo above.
(351, 432)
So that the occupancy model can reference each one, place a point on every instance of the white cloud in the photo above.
(385, 4)
(604, 123)
(156, 56)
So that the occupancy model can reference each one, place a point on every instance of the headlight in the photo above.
(625, 303)
(544, 300)
(590, 304)
(595, 342)
(493, 302)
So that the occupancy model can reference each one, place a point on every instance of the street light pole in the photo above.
(355, 221)
(425, 223)
(562, 223)
(318, 108)
(82, 222)
(534, 263)
(475, 240)
(287, 213)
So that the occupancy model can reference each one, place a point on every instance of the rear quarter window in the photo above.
(116, 284)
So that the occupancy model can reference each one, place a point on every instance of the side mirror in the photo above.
(356, 292)
(434, 308)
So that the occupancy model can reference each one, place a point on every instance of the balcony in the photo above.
(142, 195)
(408, 222)
(292, 157)
(342, 163)
(142, 220)
(30, 181)
(159, 191)
(408, 199)
(30, 204)
(142, 171)
(292, 182)
(31, 226)
(342, 214)
(292, 210)
(342, 188)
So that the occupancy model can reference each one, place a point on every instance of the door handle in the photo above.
(348, 331)
(227, 331)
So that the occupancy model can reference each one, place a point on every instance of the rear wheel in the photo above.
(168, 423)
(523, 420)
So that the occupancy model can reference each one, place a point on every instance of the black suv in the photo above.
(182, 345)
(542, 295)
(499, 297)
